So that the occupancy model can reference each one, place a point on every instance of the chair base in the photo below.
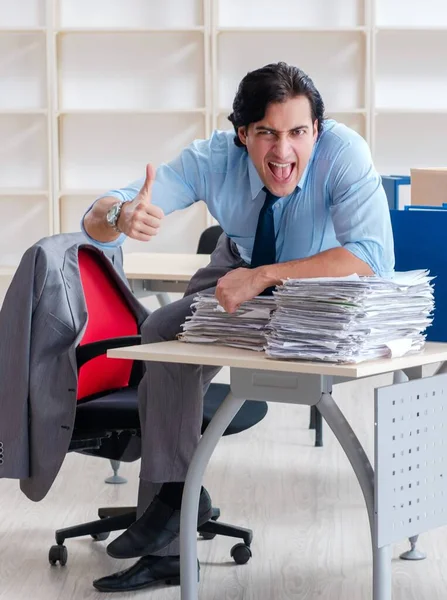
(119, 518)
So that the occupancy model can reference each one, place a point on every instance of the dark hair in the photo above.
(276, 82)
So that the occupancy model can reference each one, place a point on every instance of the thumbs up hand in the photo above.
(140, 219)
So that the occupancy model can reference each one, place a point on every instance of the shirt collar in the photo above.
(256, 183)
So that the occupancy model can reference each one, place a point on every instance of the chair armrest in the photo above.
(89, 351)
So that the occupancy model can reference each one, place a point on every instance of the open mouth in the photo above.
(282, 172)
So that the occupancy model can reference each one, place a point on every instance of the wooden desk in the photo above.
(409, 430)
(157, 273)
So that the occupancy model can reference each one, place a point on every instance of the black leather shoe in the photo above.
(148, 571)
(157, 527)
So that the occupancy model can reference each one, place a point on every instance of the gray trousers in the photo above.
(170, 395)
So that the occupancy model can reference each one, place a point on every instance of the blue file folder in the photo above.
(420, 242)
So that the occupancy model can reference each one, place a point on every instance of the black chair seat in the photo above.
(119, 411)
(111, 412)
(251, 412)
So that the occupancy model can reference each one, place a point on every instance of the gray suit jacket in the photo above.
(42, 320)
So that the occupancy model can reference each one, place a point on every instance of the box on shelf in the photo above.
(429, 186)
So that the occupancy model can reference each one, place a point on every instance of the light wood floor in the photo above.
(311, 537)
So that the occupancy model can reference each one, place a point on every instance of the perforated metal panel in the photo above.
(410, 458)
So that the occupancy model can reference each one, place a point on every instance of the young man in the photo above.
(296, 196)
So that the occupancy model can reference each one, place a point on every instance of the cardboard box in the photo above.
(429, 186)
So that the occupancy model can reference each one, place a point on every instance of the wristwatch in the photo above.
(113, 215)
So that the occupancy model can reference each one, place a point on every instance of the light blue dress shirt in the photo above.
(339, 200)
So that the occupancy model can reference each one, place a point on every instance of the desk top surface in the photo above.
(205, 354)
(166, 267)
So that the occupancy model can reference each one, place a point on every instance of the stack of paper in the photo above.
(244, 328)
(351, 319)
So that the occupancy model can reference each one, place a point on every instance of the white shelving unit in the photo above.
(328, 40)
(409, 75)
(90, 90)
(132, 87)
(25, 199)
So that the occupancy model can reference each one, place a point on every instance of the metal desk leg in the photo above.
(382, 585)
(365, 476)
(163, 298)
(190, 501)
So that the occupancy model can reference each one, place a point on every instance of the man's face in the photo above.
(281, 143)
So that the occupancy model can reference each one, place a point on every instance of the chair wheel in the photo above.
(208, 536)
(100, 537)
(58, 554)
(241, 554)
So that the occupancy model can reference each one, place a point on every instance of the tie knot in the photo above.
(270, 198)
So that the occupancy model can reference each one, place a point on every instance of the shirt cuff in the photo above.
(359, 251)
(102, 245)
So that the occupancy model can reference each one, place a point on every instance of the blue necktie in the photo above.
(264, 247)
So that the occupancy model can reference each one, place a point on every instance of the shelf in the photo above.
(130, 72)
(410, 28)
(25, 221)
(22, 71)
(397, 149)
(331, 111)
(24, 159)
(14, 29)
(8, 192)
(291, 29)
(95, 30)
(134, 14)
(130, 111)
(285, 13)
(79, 192)
(346, 111)
(410, 111)
(323, 56)
(409, 14)
(101, 153)
(23, 111)
(415, 77)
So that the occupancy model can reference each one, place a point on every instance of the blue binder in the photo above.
(423, 207)
(420, 242)
(391, 185)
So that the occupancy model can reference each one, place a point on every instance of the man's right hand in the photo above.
(140, 219)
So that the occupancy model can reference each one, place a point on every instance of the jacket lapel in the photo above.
(75, 297)
(75, 294)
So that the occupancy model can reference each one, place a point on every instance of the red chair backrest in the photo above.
(109, 316)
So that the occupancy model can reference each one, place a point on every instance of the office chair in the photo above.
(107, 420)
(208, 239)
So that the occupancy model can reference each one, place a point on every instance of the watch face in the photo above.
(113, 213)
